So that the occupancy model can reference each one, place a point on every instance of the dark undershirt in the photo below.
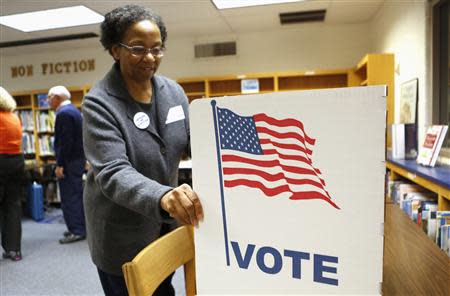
(150, 110)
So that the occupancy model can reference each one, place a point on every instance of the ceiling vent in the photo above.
(47, 39)
(302, 17)
(215, 49)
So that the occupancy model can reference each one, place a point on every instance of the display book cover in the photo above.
(429, 151)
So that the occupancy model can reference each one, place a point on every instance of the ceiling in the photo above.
(185, 18)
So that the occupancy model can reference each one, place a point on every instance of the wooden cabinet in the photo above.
(38, 122)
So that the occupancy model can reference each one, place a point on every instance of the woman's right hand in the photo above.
(183, 204)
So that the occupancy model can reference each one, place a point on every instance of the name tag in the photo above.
(175, 114)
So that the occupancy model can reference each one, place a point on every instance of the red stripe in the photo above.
(286, 146)
(268, 163)
(294, 157)
(289, 135)
(258, 185)
(297, 158)
(280, 189)
(284, 123)
(312, 195)
(271, 177)
(287, 157)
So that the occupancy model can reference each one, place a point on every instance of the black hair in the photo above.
(119, 20)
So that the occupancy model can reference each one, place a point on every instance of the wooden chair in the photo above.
(159, 259)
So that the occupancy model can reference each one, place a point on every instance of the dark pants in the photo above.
(12, 192)
(71, 191)
(114, 285)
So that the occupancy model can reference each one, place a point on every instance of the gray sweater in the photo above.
(132, 168)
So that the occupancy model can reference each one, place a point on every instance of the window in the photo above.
(441, 64)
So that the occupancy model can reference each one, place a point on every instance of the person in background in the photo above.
(135, 129)
(12, 177)
(70, 162)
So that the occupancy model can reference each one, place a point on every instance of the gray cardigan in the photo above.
(132, 168)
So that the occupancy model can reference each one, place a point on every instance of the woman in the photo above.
(11, 177)
(135, 129)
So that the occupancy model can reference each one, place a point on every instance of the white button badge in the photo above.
(141, 120)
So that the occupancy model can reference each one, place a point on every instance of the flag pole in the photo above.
(219, 162)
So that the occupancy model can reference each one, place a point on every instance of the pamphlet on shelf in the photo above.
(429, 151)
(249, 86)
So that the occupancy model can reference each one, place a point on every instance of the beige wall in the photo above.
(310, 46)
(400, 27)
(297, 48)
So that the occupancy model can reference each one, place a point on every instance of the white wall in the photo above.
(308, 47)
(400, 27)
(297, 48)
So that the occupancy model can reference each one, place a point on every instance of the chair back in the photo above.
(158, 260)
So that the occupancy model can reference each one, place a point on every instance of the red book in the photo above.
(429, 151)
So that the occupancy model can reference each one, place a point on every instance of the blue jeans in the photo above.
(114, 285)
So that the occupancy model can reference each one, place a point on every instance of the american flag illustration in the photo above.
(268, 154)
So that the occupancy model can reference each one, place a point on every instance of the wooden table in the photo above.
(413, 263)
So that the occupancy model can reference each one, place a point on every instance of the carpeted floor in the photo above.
(49, 268)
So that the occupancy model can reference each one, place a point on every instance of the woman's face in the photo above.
(139, 67)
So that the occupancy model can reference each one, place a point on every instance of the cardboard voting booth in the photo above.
(292, 185)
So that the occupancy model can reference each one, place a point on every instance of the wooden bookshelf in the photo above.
(435, 179)
(372, 69)
(28, 101)
(376, 69)
(412, 263)
(216, 86)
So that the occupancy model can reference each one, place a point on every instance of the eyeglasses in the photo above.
(141, 51)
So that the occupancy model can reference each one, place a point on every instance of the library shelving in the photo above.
(38, 122)
(230, 85)
(372, 69)
(376, 69)
(435, 179)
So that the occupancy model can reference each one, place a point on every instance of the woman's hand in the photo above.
(183, 204)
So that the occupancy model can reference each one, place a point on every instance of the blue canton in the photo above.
(238, 132)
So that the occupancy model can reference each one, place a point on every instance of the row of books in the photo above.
(26, 118)
(422, 207)
(28, 143)
(45, 121)
(46, 145)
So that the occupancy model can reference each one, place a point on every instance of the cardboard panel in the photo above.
(293, 216)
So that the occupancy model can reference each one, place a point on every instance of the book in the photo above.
(42, 100)
(430, 225)
(442, 218)
(398, 141)
(400, 191)
(425, 207)
(444, 244)
(429, 151)
(410, 141)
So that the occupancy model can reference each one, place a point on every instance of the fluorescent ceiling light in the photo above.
(224, 4)
(52, 19)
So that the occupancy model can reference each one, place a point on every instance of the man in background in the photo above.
(70, 162)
